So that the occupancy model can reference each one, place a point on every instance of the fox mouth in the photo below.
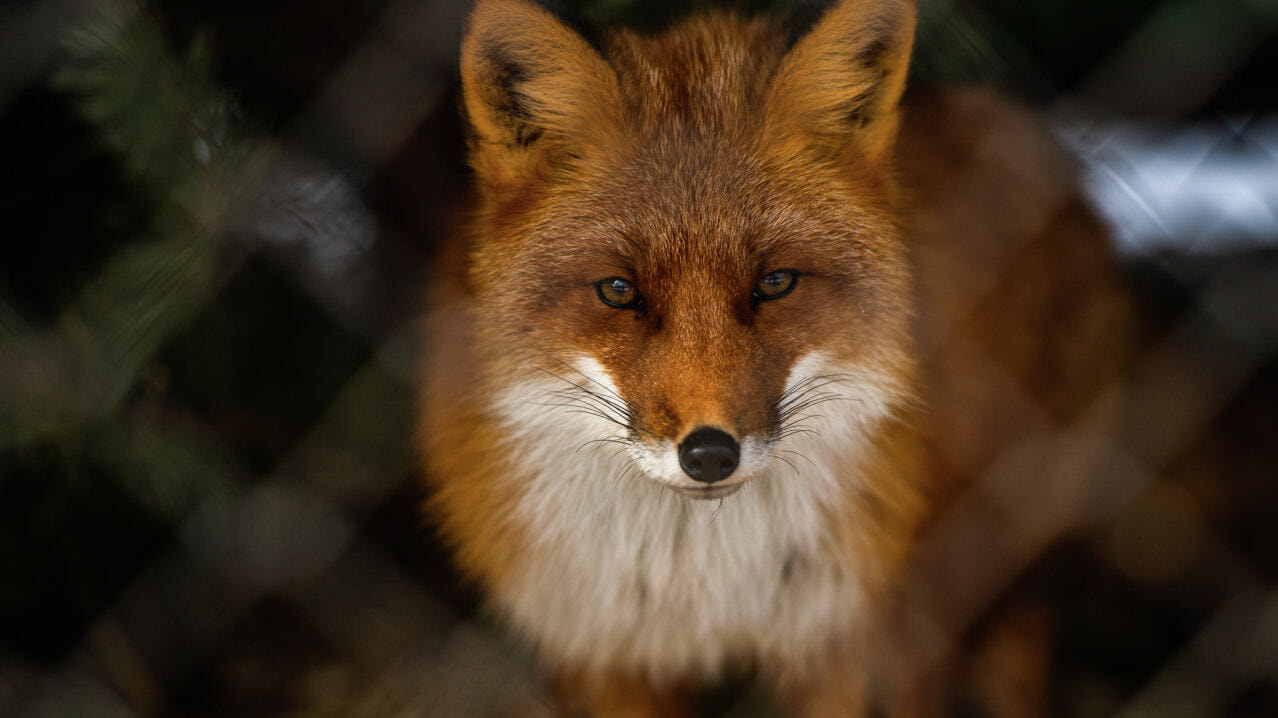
(710, 492)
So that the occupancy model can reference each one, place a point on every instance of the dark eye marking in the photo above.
(619, 293)
(774, 285)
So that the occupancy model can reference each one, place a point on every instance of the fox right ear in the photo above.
(533, 89)
(836, 90)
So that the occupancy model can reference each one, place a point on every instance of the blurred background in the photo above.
(216, 220)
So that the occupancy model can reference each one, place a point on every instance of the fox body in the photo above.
(685, 401)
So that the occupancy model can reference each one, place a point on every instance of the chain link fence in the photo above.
(220, 218)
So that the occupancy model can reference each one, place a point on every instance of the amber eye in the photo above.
(619, 293)
(774, 285)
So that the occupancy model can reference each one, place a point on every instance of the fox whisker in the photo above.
(620, 441)
(799, 454)
(585, 396)
(610, 406)
(626, 474)
(789, 463)
(793, 429)
(603, 393)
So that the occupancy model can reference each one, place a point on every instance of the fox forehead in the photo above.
(700, 202)
(711, 73)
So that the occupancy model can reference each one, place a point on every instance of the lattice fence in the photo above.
(207, 486)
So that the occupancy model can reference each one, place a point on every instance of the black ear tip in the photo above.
(883, 18)
(802, 17)
(874, 53)
(588, 31)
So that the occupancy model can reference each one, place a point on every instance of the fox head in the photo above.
(685, 251)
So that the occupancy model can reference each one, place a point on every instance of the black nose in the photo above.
(708, 455)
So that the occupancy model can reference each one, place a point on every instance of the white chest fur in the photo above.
(625, 573)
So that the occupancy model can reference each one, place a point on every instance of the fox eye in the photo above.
(619, 293)
(774, 285)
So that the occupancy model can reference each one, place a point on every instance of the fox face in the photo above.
(686, 255)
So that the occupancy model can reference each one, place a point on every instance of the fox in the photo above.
(731, 325)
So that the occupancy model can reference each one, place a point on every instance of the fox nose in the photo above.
(708, 455)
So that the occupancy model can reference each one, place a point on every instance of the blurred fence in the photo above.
(207, 501)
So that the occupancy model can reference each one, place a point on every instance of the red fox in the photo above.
(733, 326)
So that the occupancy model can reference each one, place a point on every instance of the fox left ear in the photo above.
(836, 91)
(534, 90)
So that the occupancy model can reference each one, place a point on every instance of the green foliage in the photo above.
(71, 383)
(162, 114)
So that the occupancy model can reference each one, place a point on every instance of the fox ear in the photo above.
(532, 88)
(836, 90)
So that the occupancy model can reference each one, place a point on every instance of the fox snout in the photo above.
(709, 455)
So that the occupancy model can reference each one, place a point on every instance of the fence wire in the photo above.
(208, 497)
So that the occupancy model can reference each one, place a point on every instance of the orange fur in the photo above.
(692, 163)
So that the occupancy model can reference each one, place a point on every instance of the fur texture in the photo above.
(692, 165)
